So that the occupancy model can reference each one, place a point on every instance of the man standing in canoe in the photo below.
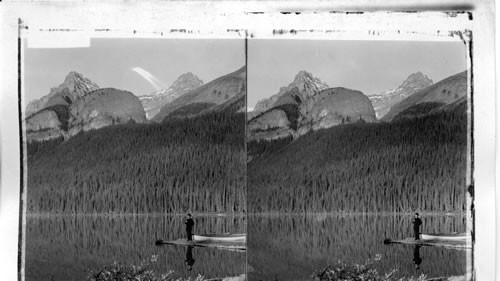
(417, 222)
(189, 222)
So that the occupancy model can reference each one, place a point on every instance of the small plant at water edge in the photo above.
(142, 272)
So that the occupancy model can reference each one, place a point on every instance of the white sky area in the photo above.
(155, 82)
(141, 66)
(368, 66)
(144, 66)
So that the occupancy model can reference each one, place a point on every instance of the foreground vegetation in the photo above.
(195, 165)
(356, 272)
(360, 272)
(402, 166)
(142, 272)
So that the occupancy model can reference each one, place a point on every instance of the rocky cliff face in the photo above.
(182, 85)
(303, 107)
(43, 120)
(333, 107)
(303, 86)
(383, 102)
(216, 92)
(74, 108)
(105, 107)
(271, 124)
(440, 95)
(75, 86)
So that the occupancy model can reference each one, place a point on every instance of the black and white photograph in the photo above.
(358, 155)
(248, 141)
(135, 160)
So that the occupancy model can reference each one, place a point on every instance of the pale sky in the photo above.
(367, 66)
(109, 63)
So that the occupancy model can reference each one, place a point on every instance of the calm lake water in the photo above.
(285, 247)
(67, 247)
(292, 247)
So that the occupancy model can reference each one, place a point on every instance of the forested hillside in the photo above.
(195, 165)
(405, 165)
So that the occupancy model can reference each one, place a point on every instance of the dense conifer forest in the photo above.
(406, 165)
(195, 165)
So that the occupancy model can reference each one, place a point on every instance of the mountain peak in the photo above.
(187, 75)
(75, 86)
(307, 86)
(412, 84)
(74, 77)
(303, 75)
(186, 81)
(416, 80)
(225, 91)
(306, 82)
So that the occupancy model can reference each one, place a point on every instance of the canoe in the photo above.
(446, 236)
(238, 247)
(451, 244)
(230, 238)
(447, 240)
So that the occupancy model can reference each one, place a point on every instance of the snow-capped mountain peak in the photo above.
(416, 80)
(413, 83)
(185, 83)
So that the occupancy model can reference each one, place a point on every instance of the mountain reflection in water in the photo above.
(67, 247)
(292, 247)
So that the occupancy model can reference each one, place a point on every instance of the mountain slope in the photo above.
(384, 101)
(183, 84)
(446, 91)
(214, 92)
(233, 105)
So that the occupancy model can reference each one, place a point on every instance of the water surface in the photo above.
(292, 247)
(67, 247)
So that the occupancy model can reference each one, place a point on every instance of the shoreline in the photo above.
(456, 213)
(242, 214)
(132, 214)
